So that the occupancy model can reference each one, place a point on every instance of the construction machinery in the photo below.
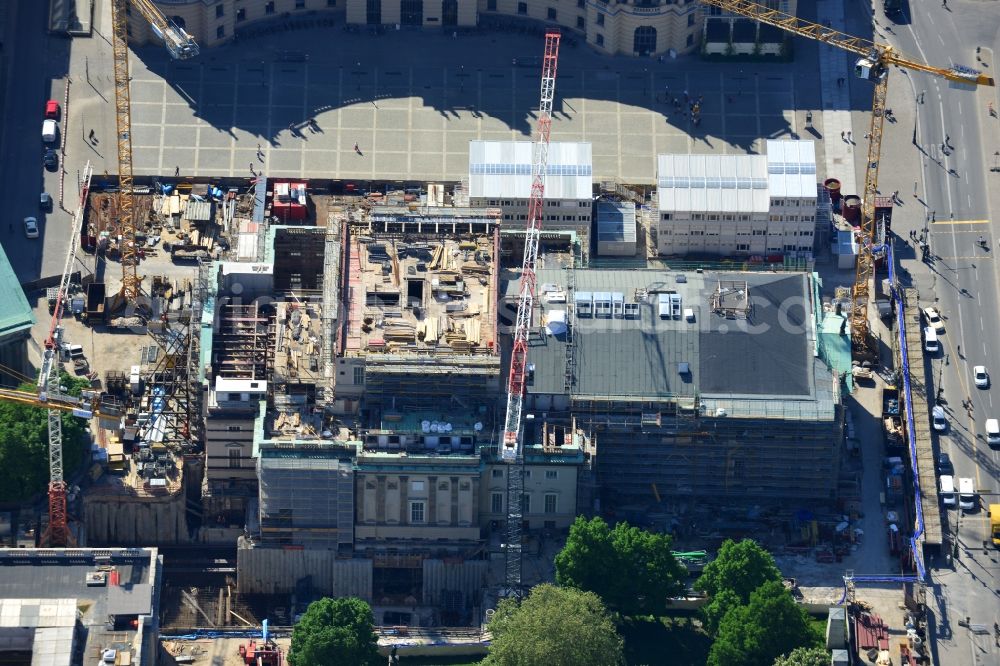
(874, 61)
(180, 45)
(512, 447)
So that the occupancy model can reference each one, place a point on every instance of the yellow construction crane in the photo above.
(180, 45)
(873, 64)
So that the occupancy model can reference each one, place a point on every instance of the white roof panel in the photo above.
(500, 169)
(712, 183)
(791, 168)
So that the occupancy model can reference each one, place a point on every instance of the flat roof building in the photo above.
(69, 606)
(707, 384)
(500, 176)
(739, 205)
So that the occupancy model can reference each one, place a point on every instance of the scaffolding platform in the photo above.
(924, 463)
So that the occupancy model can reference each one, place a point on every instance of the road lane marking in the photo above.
(960, 222)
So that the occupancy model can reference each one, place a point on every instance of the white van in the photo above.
(931, 340)
(993, 432)
(50, 131)
(967, 499)
(946, 490)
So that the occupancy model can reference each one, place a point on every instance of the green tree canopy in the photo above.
(805, 656)
(554, 626)
(24, 444)
(756, 634)
(337, 632)
(630, 569)
(740, 567)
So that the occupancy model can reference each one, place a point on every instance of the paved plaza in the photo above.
(207, 116)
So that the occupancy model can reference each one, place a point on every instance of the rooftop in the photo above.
(656, 334)
(615, 221)
(15, 313)
(425, 293)
(502, 169)
(48, 589)
(713, 183)
(791, 168)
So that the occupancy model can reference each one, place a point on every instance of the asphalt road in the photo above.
(954, 136)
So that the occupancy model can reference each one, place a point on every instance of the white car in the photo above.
(938, 419)
(934, 319)
(31, 227)
(981, 376)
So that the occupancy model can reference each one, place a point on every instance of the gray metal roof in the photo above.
(615, 221)
(712, 183)
(791, 168)
(502, 169)
(132, 600)
(770, 355)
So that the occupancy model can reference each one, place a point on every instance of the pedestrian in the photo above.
(177, 171)
(258, 149)
(914, 188)
(867, 136)
(895, 195)
(944, 3)
(947, 140)
(843, 135)
(850, 138)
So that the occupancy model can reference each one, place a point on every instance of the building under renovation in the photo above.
(691, 385)
(378, 488)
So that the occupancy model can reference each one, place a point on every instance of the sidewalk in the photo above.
(834, 65)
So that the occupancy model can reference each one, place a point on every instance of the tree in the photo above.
(739, 567)
(24, 444)
(757, 633)
(803, 656)
(554, 626)
(729, 579)
(337, 632)
(630, 569)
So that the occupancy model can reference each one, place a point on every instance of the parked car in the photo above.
(944, 466)
(52, 110)
(934, 319)
(50, 131)
(981, 376)
(31, 227)
(45, 202)
(938, 419)
(51, 159)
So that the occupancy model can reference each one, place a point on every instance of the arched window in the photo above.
(374, 12)
(449, 12)
(645, 40)
(411, 12)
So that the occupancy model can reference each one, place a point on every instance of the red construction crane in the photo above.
(512, 450)
(48, 383)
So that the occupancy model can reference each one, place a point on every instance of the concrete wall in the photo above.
(129, 521)
(276, 570)
(439, 576)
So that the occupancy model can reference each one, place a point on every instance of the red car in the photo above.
(52, 109)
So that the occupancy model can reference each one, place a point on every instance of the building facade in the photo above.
(739, 205)
(622, 27)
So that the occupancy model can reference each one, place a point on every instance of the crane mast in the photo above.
(181, 46)
(58, 533)
(123, 124)
(512, 449)
(873, 64)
